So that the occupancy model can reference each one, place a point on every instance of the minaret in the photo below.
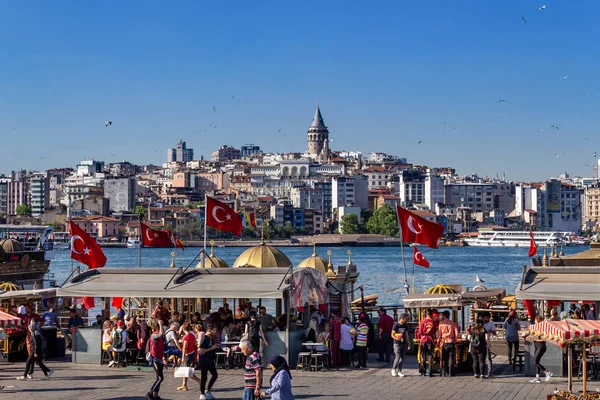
(317, 135)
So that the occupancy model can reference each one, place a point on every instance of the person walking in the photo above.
(362, 333)
(281, 380)
(385, 335)
(206, 362)
(401, 344)
(427, 332)
(512, 326)
(346, 342)
(490, 328)
(448, 334)
(539, 345)
(36, 348)
(478, 342)
(253, 372)
(188, 349)
(157, 357)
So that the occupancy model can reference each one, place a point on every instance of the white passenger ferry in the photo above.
(494, 238)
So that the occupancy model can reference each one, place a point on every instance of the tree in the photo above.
(57, 227)
(383, 222)
(288, 230)
(190, 231)
(349, 224)
(23, 209)
(141, 212)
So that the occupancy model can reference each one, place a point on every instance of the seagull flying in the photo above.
(478, 279)
(556, 155)
(588, 94)
(107, 123)
(501, 101)
(564, 78)
(542, 8)
(523, 18)
(419, 142)
(214, 109)
(595, 154)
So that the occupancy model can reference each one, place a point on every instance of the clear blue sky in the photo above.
(387, 74)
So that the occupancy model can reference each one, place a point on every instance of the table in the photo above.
(313, 350)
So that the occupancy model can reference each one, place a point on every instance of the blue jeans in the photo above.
(248, 394)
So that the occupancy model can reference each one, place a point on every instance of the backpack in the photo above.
(476, 341)
(254, 330)
(117, 341)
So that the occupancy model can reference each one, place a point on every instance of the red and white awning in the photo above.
(7, 319)
(567, 330)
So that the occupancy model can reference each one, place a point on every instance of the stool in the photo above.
(105, 358)
(326, 359)
(121, 358)
(141, 358)
(303, 361)
(317, 362)
(130, 356)
(519, 359)
(238, 359)
(221, 355)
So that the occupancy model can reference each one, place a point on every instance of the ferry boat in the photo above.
(133, 243)
(60, 240)
(25, 253)
(497, 238)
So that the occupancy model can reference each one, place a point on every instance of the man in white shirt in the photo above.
(490, 327)
(172, 341)
(346, 341)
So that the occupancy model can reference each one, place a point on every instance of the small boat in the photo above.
(133, 243)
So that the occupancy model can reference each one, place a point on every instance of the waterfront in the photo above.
(380, 267)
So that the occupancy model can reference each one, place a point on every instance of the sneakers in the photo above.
(27, 377)
(208, 395)
(394, 373)
(535, 380)
(49, 374)
(401, 375)
(202, 397)
(548, 376)
(110, 364)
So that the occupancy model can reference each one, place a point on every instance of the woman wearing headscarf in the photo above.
(281, 381)
(36, 352)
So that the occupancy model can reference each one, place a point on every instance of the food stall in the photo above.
(13, 336)
(417, 303)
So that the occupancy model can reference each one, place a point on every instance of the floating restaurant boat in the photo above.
(500, 238)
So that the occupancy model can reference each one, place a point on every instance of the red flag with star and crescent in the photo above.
(155, 238)
(416, 229)
(84, 248)
(418, 258)
(532, 245)
(222, 217)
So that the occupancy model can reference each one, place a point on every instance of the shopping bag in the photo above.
(183, 372)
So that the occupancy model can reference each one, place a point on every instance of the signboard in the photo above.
(553, 193)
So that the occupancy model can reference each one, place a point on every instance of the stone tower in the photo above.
(318, 135)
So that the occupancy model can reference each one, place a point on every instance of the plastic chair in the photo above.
(317, 362)
(221, 355)
(303, 361)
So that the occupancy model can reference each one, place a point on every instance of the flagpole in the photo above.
(70, 245)
(141, 240)
(413, 280)
(406, 286)
(205, 217)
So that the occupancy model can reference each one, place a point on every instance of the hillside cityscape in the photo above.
(320, 190)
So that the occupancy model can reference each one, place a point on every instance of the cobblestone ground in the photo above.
(72, 381)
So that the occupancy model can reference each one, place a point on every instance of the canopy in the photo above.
(560, 283)
(567, 330)
(250, 283)
(33, 294)
(421, 300)
(7, 319)
(485, 294)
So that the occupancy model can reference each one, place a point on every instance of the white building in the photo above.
(434, 189)
(349, 190)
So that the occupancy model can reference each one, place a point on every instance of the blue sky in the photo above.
(387, 74)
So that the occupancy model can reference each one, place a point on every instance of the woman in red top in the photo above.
(189, 353)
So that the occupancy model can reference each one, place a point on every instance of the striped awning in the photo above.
(7, 319)
(567, 331)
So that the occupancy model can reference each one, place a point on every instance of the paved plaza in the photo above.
(80, 382)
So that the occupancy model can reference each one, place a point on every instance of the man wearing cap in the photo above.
(119, 342)
(448, 334)
(401, 339)
(427, 331)
(385, 335)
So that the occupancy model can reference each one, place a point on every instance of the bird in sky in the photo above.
(233, 96)
(523, 18)
(501, 101)
(542, 7)
(595, 154)
(588, 94)
(478, 279)
(554, 126)
(107, 123)
(556, 155)
(564, 78)
(214, 109)
(279, 130)
(419, 142)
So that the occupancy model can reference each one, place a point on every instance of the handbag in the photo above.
(148, 356)
(183, 372)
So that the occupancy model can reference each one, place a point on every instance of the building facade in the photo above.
(121, 193)
(180, 153)
(39, 191)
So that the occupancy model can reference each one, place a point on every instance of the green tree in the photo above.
(57, 227)
(23, 209)
(141, 212)
(190, 231)
(383, 222)
(288, 230)
(349, 224)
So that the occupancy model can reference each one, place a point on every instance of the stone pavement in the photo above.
(72, 381)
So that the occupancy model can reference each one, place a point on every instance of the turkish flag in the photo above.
(177, 243)
(532, 245)
(154, 238)
(84, 248)
(416, 229)
(419, 259)
(220, 216)
(117, 302)
(88, 302)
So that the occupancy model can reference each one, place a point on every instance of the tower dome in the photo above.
(262, 256)
(315, 261)
(317, 134)
(213, 261)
